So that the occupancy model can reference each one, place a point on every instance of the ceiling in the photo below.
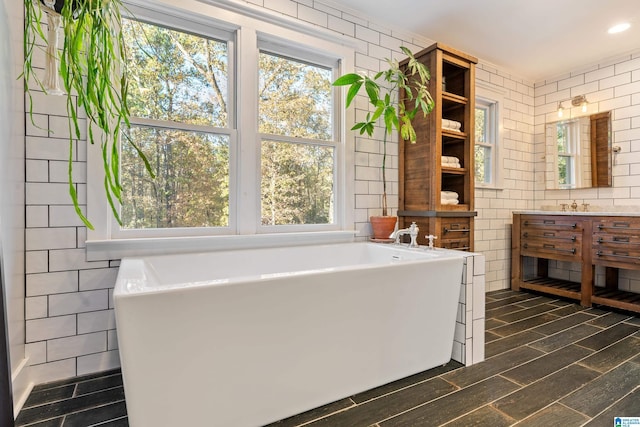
(531, 39)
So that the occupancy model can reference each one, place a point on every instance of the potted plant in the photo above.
(383, 92)
(93, 69)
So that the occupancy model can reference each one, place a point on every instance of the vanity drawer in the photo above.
(551, 237)
(460, 244)
(455, 228)
(538, 223)
(616, 242)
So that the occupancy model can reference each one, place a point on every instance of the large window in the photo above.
(240, 124)
(178, 98)
(297, 141)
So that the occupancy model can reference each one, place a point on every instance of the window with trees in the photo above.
(239, 122)
(566, 143)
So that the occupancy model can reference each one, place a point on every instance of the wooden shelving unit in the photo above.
(422, 176)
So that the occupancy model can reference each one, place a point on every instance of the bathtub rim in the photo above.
(126, 267)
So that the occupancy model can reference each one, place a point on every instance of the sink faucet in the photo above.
(412, 231)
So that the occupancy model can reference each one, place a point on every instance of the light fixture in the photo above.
(581, 101)
(560, 109)
(619, 28)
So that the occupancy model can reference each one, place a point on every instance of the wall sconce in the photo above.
(580, 100)
(560, 109)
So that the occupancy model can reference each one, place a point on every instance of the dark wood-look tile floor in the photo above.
(548, 362)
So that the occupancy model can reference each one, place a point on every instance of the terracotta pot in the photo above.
(382, 226)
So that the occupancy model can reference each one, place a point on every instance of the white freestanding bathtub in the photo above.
(248, 337)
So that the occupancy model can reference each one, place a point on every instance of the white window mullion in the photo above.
(248, 148)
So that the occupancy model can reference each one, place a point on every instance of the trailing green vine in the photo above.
(93, 70)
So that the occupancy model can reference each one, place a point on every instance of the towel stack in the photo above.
(449, 198)
(450, 162)
(451, 125)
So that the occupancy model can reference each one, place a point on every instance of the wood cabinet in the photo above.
(446, 133)
(612, 242)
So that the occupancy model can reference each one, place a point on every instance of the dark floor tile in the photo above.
(97, 384)
(609, 319)
(567, 308)
(566, 303)
(55, 422)
(455, 404)
(608, 336)
(537, 301)
(554, 415)
(510, 342)
(502, 311)
(49, 395)
(564, 338)
(74, 380)
(504, 293)
(612, 356)
(605, 390)
(389, 405)
(491, 323)
(490, 336)
(536, 396)
(121, 422)
(625, 407)
(314, 414)
(68, 406)
(96, 415)
(406, 382)
(523, 325)
(492, 366)
(563, 323)
(546, 365)
(511, 299)
(525, 313)
(485, 416)
(633, 321)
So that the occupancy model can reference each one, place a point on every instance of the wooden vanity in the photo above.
(591, 239)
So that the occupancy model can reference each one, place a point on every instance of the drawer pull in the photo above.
(620, 239)
(617, 255)
(461, 230)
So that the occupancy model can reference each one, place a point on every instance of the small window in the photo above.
(566, 142)
(485, 142)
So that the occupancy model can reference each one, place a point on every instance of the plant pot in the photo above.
(382, 226)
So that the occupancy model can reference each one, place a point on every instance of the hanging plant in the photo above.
(93, 69)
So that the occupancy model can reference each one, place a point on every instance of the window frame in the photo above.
(249, 29)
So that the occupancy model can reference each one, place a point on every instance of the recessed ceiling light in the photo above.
(619, 28)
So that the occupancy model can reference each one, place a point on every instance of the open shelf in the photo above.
(454, 171)
(563, 288)
(616, 298)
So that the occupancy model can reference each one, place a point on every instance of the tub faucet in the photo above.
(412, 231)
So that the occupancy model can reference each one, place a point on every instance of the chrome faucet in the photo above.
(412, 231)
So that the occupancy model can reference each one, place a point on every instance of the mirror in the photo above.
(578, 152)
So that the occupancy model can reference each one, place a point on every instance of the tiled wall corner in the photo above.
(468, 341)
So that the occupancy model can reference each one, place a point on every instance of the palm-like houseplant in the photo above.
(383, 92)
(92, 66)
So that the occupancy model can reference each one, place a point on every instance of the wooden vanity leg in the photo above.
(588, 269)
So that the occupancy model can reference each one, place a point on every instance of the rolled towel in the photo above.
(451, 124)
(450, 159)
(451, 165)
(449, 195)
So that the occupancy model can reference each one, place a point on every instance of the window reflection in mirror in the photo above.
(578, 152)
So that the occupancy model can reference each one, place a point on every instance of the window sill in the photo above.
(100, 250)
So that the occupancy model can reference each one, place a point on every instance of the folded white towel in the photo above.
(451, 165)
(449, 195)
(450, 159)
(449, 202)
